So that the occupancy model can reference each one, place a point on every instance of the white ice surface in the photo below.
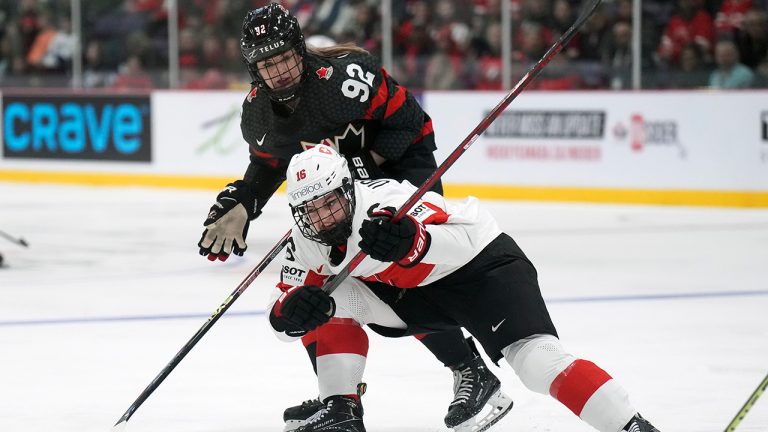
(673, 302)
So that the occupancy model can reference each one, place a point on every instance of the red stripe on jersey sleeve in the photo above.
(309, 338)
(577, 383)
(396, 102)
(268, 158)
(380, 98)
(402, 277)
(315, 279)
(341, 338)
(438, 217)
(425, 130)
(283, 286)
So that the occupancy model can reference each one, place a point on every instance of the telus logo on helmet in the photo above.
(270, 47)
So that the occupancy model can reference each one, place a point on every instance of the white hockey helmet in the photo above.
(321, 195)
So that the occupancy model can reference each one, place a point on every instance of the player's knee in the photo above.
(538, 360)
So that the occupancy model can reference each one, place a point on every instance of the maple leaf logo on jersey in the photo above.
(335, 142)
(324, 73)
(252, 94)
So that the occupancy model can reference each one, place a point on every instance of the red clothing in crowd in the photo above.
(679, 32)
(731, 15)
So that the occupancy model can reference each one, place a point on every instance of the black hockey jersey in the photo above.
(349, 103)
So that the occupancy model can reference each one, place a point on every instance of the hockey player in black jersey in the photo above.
(339, 96)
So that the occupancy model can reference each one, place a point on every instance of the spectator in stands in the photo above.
(95, 72)
(617, 56)
(189, 50)
(730, 74)
(443, 69)
(5, 44)
(489, 66)
(731, 15)
(594, 35)
(752, 38)
(692, 72)
(761, 74)
(132, 76)
(562, 19)
(533, 44)
(28, 23)
(690, 24)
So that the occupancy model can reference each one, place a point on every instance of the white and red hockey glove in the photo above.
(306, 307)
(227, 223)
(404, 242)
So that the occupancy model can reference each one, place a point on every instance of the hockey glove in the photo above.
(363, 166)
(404, 242)
(227, 224)
(306, 307)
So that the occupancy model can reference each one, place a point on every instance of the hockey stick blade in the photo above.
(19, 241)
(532, 73)
(122, 423)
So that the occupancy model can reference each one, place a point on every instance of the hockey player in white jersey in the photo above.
(443, 265)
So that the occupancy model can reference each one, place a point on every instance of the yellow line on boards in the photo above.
(452, 190)
(614, 196)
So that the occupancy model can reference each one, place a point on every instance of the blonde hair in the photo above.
(336, 50)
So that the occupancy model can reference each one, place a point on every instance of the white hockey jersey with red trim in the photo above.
(459, 231)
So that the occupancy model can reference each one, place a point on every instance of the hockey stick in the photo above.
(747, 405)
(121, 424)
(532, 73)
(19, 241)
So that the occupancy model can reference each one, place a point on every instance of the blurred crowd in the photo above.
(438, 44)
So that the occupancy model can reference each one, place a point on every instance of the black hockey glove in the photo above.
(363, 166)
(404, 242)
(306, 307)
(227, 224)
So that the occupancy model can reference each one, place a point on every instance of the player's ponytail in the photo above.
(336, 50)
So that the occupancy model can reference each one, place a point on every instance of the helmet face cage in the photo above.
(327, 219)
(268, 32)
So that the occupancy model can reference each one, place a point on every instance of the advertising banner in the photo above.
(77, 127)
(650, 140)
(200, 133)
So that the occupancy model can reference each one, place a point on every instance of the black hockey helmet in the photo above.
(269, 31)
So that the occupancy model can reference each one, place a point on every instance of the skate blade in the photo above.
(500, 405)
(292, 425)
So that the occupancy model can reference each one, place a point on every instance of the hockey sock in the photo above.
(448, 346)
(310, 344)
(587, 390)
(342, 347)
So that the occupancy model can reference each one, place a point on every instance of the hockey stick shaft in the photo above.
(532, 73)
(747, 405)
(120, 425)
(19, 241)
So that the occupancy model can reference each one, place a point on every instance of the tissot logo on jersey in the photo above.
(293, 275)
(421, 212)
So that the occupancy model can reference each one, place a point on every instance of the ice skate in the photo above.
(639, 424)
(297, 415)
(340, 414)
(474, 387)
